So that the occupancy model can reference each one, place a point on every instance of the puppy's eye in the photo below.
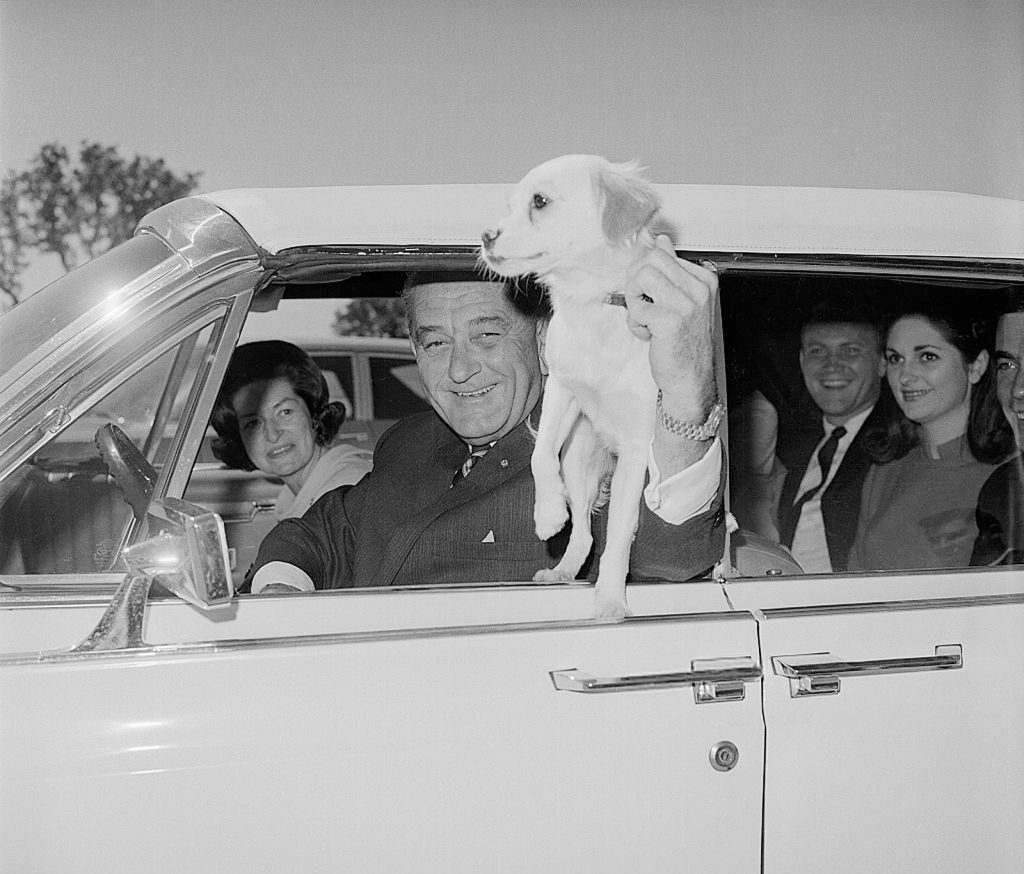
(540, 201)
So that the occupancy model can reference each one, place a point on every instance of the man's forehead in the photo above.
(840, 330)
(1010, 332)
(445, 296)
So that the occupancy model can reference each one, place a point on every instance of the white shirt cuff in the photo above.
(281, 572)
(687, 493)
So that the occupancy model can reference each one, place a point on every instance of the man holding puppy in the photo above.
(450, 496)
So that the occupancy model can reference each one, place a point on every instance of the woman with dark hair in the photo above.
(939, 442)
(1000, 514)
(274, 414)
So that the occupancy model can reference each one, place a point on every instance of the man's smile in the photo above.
(478, 393)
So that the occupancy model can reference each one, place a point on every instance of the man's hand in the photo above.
(672, 304)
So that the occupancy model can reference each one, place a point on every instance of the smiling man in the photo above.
(1000, 513)
(450, 497)
(842, 366)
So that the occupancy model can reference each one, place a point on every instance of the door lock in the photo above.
(724, 755)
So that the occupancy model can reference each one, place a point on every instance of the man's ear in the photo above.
(627, 201)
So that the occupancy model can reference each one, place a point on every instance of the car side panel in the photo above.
(909, 770)
(435, 750)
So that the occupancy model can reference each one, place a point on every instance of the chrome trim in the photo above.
(211, 647)
(575, 680)
(412, 257)
(205, 235)
(819, 673)
(895, 606)
(1008, 269)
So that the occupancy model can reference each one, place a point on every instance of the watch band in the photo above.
(700, 433)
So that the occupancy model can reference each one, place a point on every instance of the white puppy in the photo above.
(578, 222)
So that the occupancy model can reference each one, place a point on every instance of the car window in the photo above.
(898, 486)
(41, 316)
(339, 372)
(397, 390)
(62, 511)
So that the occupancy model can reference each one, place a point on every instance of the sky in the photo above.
(922, 94)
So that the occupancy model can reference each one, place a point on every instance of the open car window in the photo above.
(776, 427)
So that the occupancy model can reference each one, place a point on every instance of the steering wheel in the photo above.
(132, 473)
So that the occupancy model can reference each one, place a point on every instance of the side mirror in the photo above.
(189, 555)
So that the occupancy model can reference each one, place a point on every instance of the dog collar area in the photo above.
(618, 299)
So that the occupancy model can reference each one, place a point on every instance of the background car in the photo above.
(768, 721)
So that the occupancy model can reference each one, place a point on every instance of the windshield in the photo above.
(30, 324)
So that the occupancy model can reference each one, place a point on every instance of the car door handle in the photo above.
(712, 680)
(819, 673)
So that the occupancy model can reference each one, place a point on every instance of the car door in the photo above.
(895, 713)
(479, 728)
(893, 699)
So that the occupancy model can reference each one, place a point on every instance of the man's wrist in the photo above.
(700, 430)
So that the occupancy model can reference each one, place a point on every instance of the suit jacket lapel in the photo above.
(487, 474)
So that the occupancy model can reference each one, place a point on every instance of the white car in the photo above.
(771, 721)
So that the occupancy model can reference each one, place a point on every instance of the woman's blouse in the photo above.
(340, 465)
(919, 511)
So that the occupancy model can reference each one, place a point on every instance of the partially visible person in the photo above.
(935, 450)
(819, 503)
(451, 494)
(1000, 512)
(274, 414)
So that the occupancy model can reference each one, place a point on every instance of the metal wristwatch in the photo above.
(700, 433)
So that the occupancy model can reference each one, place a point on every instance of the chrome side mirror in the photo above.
(189, 555)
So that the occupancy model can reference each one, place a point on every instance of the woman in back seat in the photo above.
(937, 448)
(274, 414)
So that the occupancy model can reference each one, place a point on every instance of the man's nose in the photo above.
(463, 364)
(1018, 384)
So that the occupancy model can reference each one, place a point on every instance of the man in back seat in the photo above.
(842, 366)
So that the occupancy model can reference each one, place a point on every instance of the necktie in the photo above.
(825, 456)
(474, 456)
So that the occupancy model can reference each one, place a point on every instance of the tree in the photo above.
(372, 317)
(78, 208)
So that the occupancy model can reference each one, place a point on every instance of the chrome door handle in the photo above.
(712, 680)
(819, 673)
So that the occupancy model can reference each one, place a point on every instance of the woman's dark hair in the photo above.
(988, 434)
(263, 361)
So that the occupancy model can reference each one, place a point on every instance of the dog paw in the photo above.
(549, 517)
(553, 575)
(610, 609)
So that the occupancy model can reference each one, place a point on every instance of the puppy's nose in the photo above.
(489, 237)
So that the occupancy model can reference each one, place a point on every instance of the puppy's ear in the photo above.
(627, 199)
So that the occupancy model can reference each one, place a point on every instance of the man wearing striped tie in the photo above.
(450, 496)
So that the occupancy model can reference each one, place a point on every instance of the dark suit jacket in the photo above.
(1000, 516)
(840, 502)
(404, 524)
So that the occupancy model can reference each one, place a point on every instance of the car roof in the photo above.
(705, 218)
